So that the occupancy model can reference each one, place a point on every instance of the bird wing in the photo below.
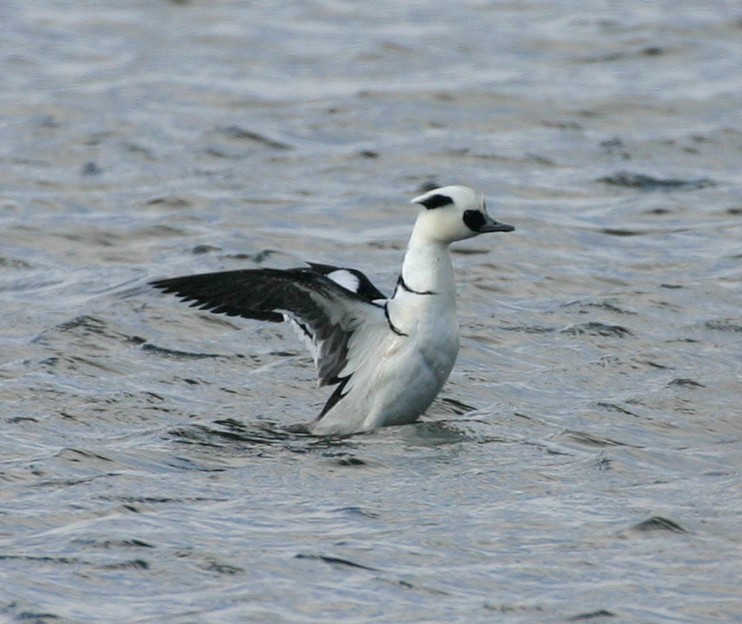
(326, 312)
(350, 279)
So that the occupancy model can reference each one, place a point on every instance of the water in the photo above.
(583, 461)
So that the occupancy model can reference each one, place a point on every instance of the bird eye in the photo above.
(474, 220)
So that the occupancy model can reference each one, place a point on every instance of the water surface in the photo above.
(582, 463)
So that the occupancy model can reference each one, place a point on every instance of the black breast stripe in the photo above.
(403, 284)
(391, 325)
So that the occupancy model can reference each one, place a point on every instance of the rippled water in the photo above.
(583, 462)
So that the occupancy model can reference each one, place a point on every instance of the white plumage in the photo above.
(388, 358)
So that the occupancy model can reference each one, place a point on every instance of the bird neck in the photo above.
(427, 268)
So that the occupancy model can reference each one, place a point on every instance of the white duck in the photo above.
(388, 358)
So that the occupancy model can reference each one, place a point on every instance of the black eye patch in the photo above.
(436, 201)
(474, 220)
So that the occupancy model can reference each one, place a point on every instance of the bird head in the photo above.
(453, 213)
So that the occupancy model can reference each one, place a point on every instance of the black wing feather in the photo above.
(253, 294)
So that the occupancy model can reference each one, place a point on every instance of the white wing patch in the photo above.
(346, 279)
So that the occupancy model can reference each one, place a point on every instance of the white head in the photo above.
(453, 213)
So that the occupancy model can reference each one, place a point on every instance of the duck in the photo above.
(386, 357)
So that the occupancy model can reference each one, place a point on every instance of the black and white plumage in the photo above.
(388, 357)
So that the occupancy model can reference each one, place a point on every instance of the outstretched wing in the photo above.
(327, 312)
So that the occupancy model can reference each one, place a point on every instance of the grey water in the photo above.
(583, 462)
